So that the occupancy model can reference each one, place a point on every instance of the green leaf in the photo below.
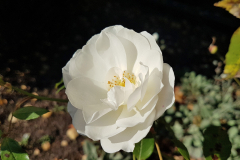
(216, 142)
(232, 132)
(182, 149)
(90, 150)
(11, 150)
(144, 148)
(28, 113)
(233, 55)
(58, 84)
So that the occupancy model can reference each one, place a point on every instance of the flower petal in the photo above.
(135, 96)
(71, 109)
(153, 88)
(151, 40)
(114, 29)
(153, 59)
(115, 97)
(114, 45)
(83, 91)
(93, 112)
(130, 51)
(126, 140)
(166, 95)
(78, 122)
(93, 40)
(66, 76)
(135, 116)
(87, 62)
(105, 126)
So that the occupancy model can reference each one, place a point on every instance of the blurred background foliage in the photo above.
(37, 38)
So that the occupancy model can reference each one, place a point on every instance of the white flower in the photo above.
(118, 85)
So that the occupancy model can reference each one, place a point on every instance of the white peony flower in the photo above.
(117, 86)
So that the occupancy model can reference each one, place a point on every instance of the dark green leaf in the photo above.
(182, 149)
(28, 113)
(216, 143)
(90, 150)
(11, 150)
(144, 148)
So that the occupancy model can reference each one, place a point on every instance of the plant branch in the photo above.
(37, 97)
(238, 82)
(158, 150)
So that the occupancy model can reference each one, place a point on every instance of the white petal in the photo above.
(166, 95)
(111, 50)
(115, 97)
(153, 88)
(78, 122)
(128, 90)
(72, 68)
(93, 40)
(135, 96)
(93, 112)
(83, 91)
(126, 140)
(87, 64)
(131, 53)
(145, 72)
(139, 41)
(151, 40)
(135, 116)
(153, 59)
(113, 29)
(105, 126)
(71, 109)
(66, 76)
(111, 74)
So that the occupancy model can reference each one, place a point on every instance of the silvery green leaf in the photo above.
(187, 140)
(216, 122)
(90, 150)
(232, 132)
(205, 123)
(231, 122)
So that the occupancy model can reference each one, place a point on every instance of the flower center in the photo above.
(117, 81)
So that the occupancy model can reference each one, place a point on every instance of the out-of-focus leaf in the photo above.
(58, 84)
(182, 149)
(232, 6)
(216, 143)
(90, 150)
(144, 148)
(233, 55)
(28, 113)
(232, 132)
(11, 150)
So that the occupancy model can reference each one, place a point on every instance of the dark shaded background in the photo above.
(40, 36)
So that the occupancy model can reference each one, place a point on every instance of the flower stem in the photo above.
(133, 157)
(158, 150)
(37, 97)
(17, 105)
